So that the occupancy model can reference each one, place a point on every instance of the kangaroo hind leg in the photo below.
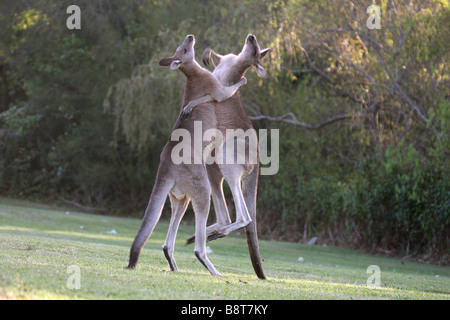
(233, 175)
(220, 206)
(178, 209)
(151, 218)
(201, 209)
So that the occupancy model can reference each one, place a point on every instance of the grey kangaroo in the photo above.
(231, 114)
(184, 182)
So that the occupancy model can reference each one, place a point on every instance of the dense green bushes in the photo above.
(397, 204)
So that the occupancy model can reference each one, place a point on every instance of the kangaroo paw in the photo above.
(184, 115)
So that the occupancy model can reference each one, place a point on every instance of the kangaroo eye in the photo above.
(185, 51)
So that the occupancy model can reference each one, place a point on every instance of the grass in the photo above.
(38, 244)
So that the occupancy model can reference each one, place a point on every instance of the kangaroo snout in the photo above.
(189, 40)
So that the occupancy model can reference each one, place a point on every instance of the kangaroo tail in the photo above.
(151, 218)
(249, 188)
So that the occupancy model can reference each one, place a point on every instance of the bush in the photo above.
(398, 204)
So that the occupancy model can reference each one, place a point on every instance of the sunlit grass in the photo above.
(37, 245)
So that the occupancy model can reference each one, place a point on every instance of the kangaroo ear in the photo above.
(208, 55)
(171, 61)
(260, 70)
(263, 52)
(175, 64)
(215, 58)
(165, 62)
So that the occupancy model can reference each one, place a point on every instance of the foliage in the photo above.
(399, 203)
(84, 114)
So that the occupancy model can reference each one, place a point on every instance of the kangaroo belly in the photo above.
(177, 192)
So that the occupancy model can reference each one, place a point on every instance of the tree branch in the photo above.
(433, 83)
(76, 204)
(395, 87)
(292, 119)
(296, 70)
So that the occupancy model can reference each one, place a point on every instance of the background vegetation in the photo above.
(363, 114)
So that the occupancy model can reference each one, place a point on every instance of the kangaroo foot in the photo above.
(215, 235)
(212, 236)
(190, 240)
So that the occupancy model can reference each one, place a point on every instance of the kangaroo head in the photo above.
(252, 54)
(184, 54)
(234, 67)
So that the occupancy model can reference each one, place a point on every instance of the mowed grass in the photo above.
(38, 244)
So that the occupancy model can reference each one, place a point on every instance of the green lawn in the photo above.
(39, 244)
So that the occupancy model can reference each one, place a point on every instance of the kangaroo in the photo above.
(184, 182)
(231, 114)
